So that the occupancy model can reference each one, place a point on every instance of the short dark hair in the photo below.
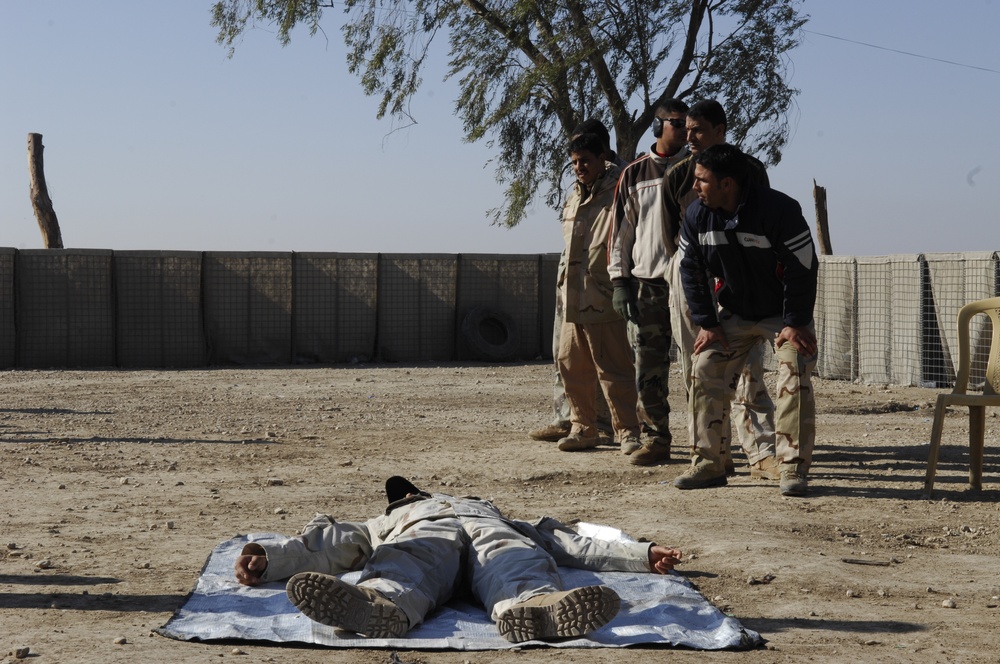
(595, 126)
(708, 109)
(725, 161)
(672, 106)
(589, 142)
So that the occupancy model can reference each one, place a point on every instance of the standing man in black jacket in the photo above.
(751, 411)
(754, 243)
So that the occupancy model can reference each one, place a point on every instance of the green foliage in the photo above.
(529, 72)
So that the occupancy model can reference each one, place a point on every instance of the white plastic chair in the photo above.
(977, 403)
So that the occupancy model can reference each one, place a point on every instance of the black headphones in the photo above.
(657, 126)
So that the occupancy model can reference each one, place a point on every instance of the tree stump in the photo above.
(40, 200)
(822, 224)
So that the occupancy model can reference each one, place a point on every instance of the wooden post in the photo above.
(40, 200)
(822, 224)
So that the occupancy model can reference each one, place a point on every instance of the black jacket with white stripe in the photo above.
(763, 258)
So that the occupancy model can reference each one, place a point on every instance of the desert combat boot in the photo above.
(702, 474)
(569, 613)
(654, 451)
(579, 439)
(330, 601)
(793, 481)
(629, 443)
(551, 433)
(767, 468)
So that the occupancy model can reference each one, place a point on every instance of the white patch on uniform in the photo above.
(753, 240)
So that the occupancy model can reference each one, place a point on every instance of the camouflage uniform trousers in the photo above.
(752, 409)
(715, 373)
(560, 404)
(651, 342)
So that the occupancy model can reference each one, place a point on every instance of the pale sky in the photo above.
(154, 139)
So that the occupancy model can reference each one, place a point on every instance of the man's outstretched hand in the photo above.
(251, 563)
(662, 558)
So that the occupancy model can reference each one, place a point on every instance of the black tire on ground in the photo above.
(489, 334)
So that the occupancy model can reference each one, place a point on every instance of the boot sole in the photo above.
(579, 612)
(330, 601)
(578, 445)
(548, 436)
(795, 490)
(707, 484)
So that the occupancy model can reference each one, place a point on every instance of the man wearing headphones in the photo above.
(641, 244)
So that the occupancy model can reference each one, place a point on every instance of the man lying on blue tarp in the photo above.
(417, 554)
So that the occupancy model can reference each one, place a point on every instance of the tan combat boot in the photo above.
(765, 469)
(551, 432)
(580, 440)
(793, 480)
(629, 442)
(330, 601)
(702, 474)
(654, 451)
(558, 615)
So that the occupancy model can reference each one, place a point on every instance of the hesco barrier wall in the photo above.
(133, 309)
(885, 319)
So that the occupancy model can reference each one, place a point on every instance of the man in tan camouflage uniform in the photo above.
(752, 410)
(752, 242)
(594, 342)
(560, 425)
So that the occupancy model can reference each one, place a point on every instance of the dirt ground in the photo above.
(117, 484)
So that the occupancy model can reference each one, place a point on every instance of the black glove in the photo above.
(624, 302)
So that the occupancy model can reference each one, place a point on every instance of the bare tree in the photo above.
(40, 200)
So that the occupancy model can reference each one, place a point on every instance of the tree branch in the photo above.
(607, 83)
(560, 87)
(683, 68)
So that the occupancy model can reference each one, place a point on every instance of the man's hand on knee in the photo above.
(801, 337)
(708, 336)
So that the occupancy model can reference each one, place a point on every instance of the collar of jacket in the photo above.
(672, 159)
(607, 180)
(405, 501)
(749, 193)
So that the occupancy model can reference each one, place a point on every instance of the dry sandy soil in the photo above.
(116, 485)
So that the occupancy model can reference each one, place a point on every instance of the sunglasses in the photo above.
(676, 123)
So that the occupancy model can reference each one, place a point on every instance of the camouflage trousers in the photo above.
(715, 373)
(651, 342)
(752, 410)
